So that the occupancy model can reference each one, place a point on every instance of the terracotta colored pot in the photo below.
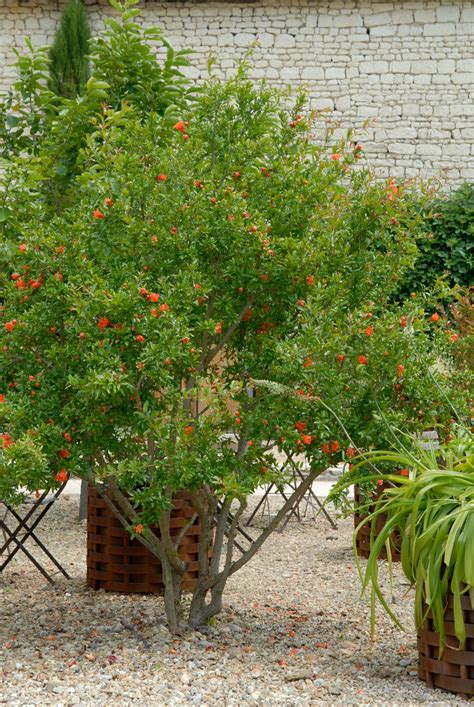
(117, 562)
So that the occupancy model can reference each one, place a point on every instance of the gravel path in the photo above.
(295, 631)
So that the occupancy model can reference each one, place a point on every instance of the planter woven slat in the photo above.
(453, 670)
(363, 543)
(117, 562)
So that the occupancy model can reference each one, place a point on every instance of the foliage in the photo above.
(196, 253)
(446, 245)
(434, 510)
(69, 65)
(42, 134)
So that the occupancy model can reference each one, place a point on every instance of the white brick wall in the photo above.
(407, 65)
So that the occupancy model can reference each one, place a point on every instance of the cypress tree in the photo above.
(69, 64)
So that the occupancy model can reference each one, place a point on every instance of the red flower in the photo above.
(103, 323)
(9, 326)
(140, 338)
(21, 284)
(164, 307)
(98, 214)
(167, 362)
(15, 276)
(218, 328)
(185, 340)
(108, 202)
(154, 312)
(434, 317)
(161, 177)
(247, 315)
(264, 277)
(363, 360)
(143, 291)
(35, 284)
(64, 453)
(301, 303)
(306, 439)
(341, 358)
(180, 126)
(185, 137)
(139, 528)
(403, 321)
(23, 247)
(379, 482)
(454, 337)
(153, 297)
(400, 370)
(188, 430)
(335, 157)
(2, 398)
(62, 476)
(236, 175)
(325, 448)
(310, 280)
(300, 426)
(350, 452)
(67, 437)
(404, 472)
(369, 331)
(308, 362)
(198, 184)
(7, 440)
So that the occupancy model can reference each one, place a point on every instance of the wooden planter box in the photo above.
(363, 537)
(117, 562)
(454, 670)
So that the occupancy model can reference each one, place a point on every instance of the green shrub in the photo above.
(446, 243)
(69, 64)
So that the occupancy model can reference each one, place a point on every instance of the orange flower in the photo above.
(164, 308)
(264, 277)
(140, 338)
(363, 360)
(185, 340)
(335, 157)
(400, 370)
(23, 247)
(139, 529)
(236, 175)
(308, 362)
(167, 362)
(300, 426)
(379, 482)
(60, 249)
(369, 331)
(161, 177)
(310, 280)
(301, 303)
(153, 297)
(434, 317)
(454, 337)
(403, 321)
(98, 214)
(404, 472)
(62, 476)
(334, 446)
(188, 430)
(103, 323)
(64, 454)
(341, 358)
(15, 276)
(247, 315)
(67, 437)
(2, 398)
(218, 328)
(9, 326)
(350, 452)
(181, 126)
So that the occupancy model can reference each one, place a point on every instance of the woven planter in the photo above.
(454, 670)
(363, 537)
(117, 562)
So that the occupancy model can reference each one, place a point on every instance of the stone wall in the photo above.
(406, 65)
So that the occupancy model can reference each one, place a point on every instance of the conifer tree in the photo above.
(69, 67)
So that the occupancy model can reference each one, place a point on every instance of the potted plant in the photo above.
(434, 509)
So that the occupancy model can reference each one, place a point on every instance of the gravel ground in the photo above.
(295, 631)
